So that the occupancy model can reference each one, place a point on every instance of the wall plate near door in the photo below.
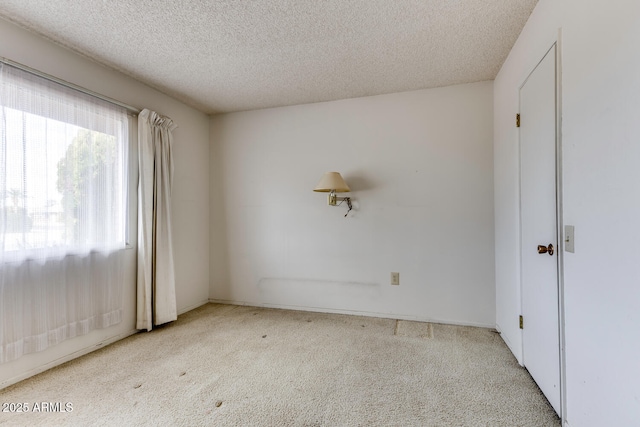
(569, 238)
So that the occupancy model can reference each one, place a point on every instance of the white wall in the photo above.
(601, 96)
(190, 191)
(420, 168)
(601, 175)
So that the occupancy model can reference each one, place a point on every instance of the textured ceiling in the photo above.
(226, 55)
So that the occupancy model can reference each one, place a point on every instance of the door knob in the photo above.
(545, 249)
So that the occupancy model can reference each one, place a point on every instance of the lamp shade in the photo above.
(332, 181)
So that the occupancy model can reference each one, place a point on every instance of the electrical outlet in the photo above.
(395, 279)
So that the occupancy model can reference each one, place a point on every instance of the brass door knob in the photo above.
(545, 249)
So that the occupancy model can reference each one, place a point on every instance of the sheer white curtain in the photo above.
(63, 177)
(156, 303)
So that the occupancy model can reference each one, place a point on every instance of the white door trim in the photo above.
(560, 221)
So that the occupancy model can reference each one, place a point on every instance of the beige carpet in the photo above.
(223, 365)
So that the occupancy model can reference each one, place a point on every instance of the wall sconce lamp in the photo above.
(332, 183)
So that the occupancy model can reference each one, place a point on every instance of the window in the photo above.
(63, 212)
(63, 167)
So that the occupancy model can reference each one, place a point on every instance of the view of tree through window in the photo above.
(90, 163)
(63, 185)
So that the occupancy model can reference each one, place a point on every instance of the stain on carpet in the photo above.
(407, 328)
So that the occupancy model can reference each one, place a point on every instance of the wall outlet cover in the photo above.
(395, 279)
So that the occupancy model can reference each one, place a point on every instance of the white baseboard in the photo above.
(353, 313)
(192, 307)
(64, 359)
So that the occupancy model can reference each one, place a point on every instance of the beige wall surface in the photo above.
(420, 167)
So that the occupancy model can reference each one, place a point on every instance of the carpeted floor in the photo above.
(223, 365)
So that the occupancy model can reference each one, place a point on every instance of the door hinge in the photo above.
(521, 322)
(518, 120)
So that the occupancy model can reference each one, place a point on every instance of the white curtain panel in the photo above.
(47, 301)
(156, 302)
(62, 212)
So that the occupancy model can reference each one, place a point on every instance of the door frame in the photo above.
(559, 218)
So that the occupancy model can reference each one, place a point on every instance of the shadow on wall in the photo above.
(317, 293)
(359, 182)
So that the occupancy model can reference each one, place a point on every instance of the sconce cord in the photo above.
(349, 205)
